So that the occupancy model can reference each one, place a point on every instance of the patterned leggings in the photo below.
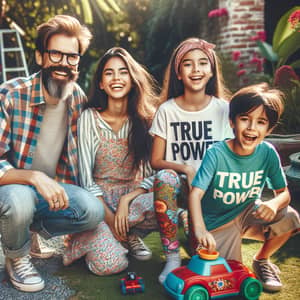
(169, 189)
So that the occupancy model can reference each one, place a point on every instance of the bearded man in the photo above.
(38, 151)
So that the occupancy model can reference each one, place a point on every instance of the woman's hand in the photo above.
(110, 221)
(121, 224)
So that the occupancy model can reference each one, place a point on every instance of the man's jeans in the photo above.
(22, 210)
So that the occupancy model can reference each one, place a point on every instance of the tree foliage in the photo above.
(149, 29)
(98, 15)
(171, 22)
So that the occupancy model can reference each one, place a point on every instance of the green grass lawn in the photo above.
(89, 286)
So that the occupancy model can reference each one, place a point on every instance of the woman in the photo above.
(114, 150)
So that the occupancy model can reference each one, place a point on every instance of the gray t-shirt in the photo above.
(51, 138)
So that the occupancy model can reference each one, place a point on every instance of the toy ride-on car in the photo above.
(132, 284)
(208, 276)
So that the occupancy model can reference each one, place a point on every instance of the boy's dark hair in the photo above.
(249, 98)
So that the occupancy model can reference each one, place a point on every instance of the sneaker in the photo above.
(267, 273)
(23, 275)
(137, 248)
(38, 249)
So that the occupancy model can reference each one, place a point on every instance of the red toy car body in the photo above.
(132, 284)
(209, 279)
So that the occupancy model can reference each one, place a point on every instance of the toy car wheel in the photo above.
(251, 288)
(196, 292)
(123, 290)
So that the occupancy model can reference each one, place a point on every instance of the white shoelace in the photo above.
(23, 267)
(269, 271)
(136, 244)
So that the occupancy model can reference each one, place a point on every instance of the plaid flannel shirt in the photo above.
(21, 114)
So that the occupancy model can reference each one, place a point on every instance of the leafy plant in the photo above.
(286, 41)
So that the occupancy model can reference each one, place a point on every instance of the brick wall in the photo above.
(245, 18)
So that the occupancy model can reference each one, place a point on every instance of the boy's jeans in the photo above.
(22, 210)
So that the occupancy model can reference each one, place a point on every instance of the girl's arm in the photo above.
(267, 210)
(158, 161)
(204, 237)
(121, 223)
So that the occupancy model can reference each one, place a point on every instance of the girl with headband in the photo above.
(194, 117)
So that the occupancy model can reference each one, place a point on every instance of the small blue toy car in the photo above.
(132, 284)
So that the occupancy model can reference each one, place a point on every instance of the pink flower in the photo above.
(241, 65)
(224, 12)
(259, 66)
(259, 62)
(254, 60)
(213, 13)
(294, 20)
(260, 36)
(218, 12)
(284, 75)
(236, 55)
(241, 72)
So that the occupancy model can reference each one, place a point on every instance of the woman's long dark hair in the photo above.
(142, 102)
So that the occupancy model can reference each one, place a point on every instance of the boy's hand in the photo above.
(265, 211)
(206, 240)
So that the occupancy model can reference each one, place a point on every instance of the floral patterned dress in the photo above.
(112, 174)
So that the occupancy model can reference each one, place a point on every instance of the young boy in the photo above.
(225, 203)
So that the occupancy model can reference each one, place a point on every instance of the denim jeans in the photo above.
(23, 209)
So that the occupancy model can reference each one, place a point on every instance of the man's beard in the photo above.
(59, 88)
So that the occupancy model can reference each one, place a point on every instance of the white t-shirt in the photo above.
(188, 134)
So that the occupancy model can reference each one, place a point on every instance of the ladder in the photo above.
(12, 57)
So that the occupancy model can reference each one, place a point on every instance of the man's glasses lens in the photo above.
(57, 56)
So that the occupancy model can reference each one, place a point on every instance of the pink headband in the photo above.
(202, 45)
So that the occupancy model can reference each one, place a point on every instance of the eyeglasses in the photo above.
(57, 56)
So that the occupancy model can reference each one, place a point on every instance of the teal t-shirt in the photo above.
(232, 181)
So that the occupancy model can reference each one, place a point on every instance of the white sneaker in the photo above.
(267, 273)
(23, 275)
(137, 248)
